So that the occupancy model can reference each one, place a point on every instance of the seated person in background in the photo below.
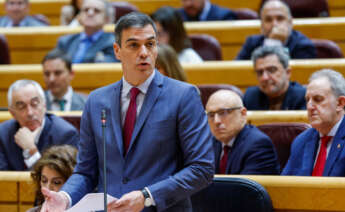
(276, 29)
(168, 64)
(239, 148)
(57, 75)
(203, 10)
(275, 91)
(32, 130)
(52, 170)
(319, 151)
(93, 45)
(17, 15)
(170, 30)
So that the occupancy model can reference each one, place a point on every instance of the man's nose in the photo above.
(216, 118)
(143, 51)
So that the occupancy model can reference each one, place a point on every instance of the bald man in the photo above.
(239, 148)
(276, 29)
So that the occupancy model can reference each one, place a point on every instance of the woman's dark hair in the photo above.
(172, 23)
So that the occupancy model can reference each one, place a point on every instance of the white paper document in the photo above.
(91, 202)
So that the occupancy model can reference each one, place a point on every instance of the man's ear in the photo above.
(117, 50)
(341, 103)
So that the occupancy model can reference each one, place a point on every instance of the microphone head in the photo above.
(103, 117)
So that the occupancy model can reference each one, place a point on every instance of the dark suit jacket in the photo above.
(100, 51)
(300, 47)
(216, 13)
(29, 21)
(255, 99)
(78, 101)
(170, 151)
(304, 150)
(252, 153)
(56, 131)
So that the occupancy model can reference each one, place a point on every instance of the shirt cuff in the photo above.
(272, 42)
(32, 160)
(153, 200)
(68, 197)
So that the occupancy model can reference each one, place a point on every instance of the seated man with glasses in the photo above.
(239, 148)
(23, 138)
(275, 91)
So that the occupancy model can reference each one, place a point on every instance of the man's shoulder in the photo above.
(254, 135)
(32, 21)
(68, 38)
(222, 13)
(8, 124)
(59, 123)
(299, 38)
(4, 20)
(252, 91)
(296, 87)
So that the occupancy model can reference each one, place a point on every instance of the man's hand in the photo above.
(280, 32)
(26, 138)
(132, 201)
(54, 201)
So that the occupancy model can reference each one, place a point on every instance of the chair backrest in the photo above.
(245, 13)
(42, 18)
(206, 46)
(4, 51)
(232, 194)
(122, 8)
(207, 89)
(282, 136)
(327, 49)
(307, 8)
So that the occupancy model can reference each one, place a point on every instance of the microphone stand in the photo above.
(104, 120)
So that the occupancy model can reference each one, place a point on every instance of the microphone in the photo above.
(104, 121)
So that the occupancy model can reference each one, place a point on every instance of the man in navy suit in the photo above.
(275, 91)
(319, 151)
(239, 148)
(23, 138)
(276, 29)
(57, 75)
(203, 10)
(93, 45)
(157, 137)
(17, 15)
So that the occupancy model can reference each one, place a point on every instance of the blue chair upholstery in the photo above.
(234, 195)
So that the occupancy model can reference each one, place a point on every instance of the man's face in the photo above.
(225, 117)
(322, 105)
(193, 7)
(274, 14)
(138, 52)
(273, 78)
(27, 107)
(17, 9)
(57, 77)
(93, 14)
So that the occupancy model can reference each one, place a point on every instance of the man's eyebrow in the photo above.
(134, 39)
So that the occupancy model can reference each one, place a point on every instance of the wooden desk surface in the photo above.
(29, 45)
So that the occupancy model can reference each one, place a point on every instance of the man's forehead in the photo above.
(275, 7)
(139, 33)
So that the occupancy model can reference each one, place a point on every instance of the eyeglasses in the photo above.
(221, 112)
(269, 70)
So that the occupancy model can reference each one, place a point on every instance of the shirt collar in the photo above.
(205, 11)
(334, 128)
(143, 87)
(94, 37)
(67, 96)
(231, 142)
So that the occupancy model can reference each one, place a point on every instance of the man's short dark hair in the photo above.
(279, 51)
(58, 54)
(133, 19)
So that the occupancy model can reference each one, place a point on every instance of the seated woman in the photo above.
(52, 170)
(168, 64)
(171, 31)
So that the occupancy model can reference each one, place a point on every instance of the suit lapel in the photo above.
(309, 154)
(336, 149)
(151, 97)
(217, 146)
(239, 138)
(115, 114)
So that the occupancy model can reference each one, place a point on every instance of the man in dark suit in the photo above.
(276, 29)
(93, 45)
(17, 15)
(275, 91)
(23, 138)
(203, 10)
(57, 75)
(319, 151)
(157, 137)
(239, 148)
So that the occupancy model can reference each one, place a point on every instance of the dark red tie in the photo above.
(321, 158)
(130, 118)
(224, 160)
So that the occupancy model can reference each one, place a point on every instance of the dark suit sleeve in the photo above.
(198, 156)
(3, 159)
(246, 50)
(304, 50)
(262, 158)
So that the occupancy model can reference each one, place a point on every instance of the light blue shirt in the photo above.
(84, 45)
